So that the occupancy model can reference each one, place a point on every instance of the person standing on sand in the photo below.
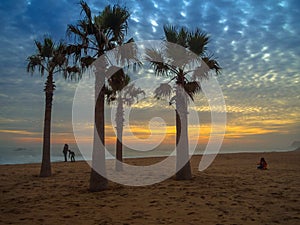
(65, 151)
(72, 155)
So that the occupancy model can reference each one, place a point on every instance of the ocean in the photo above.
(24, 155)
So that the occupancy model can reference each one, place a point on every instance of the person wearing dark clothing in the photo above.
(262, 165)
(72, 155)
(65, 151)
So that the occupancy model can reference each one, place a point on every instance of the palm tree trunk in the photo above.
(98, 181)
(183, 168)
(46, 162)
(119, 123)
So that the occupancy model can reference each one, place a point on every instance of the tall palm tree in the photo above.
(186, 83)
(125, 94)
(50, 58)
(94, 36)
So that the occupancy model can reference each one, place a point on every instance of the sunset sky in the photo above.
(255, 41)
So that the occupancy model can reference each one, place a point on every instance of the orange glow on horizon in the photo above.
(235, 131)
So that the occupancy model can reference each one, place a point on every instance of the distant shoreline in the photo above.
(81, 158)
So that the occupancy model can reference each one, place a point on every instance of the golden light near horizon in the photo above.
(246, 123)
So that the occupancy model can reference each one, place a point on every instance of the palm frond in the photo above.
(118, 80)
(178, 56)
(86, 9)
(127, 54)
(59, 55)
(164, 90)
(182, 37)
(134, 58)
(132, 93)
(171, 33)
(47, 47)
(157, 61)
(191, 88)
(113, 21)
(212, 63)
(203, 71)
(86, 61)
(197, 42)
(33, 62)
(72, 72)
(52, 58)
(75, 51)
(73, 69)
(74, 30)
(39, 46)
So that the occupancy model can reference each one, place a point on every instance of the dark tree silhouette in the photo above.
(124, 93)
(95, 35)
(50, 58)
(186, 81)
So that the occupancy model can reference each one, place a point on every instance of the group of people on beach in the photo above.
(66, 150)
(262, 165)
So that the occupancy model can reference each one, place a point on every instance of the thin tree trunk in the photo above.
(98, 181)
(46, 161)
(183, 167)
(119, 122)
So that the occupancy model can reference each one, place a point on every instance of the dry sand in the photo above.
(230, 191)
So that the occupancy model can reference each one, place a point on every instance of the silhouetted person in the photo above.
(65, 151)
(262, 165)
(72, 155)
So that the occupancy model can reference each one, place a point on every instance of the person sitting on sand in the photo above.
(262, 165)
(72, 155)
(65, 151)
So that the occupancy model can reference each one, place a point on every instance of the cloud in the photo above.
(255, 42)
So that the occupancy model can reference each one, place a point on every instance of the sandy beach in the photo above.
(230, 191)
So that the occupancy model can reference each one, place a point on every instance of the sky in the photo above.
(256, 43)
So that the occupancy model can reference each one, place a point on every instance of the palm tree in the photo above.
(94, 36)
(173, 64)
(125, 94)
(50, 58)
